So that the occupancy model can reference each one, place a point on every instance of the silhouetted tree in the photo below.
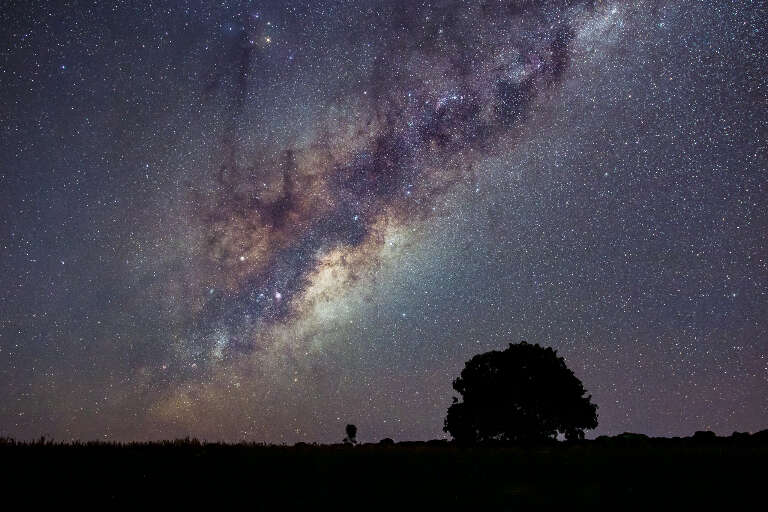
(351, 438)
(524, 393)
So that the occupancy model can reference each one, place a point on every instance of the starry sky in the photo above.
(264, 220)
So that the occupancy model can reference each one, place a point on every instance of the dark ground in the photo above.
(627, 470)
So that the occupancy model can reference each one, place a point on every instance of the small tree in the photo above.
(351, 438)
(524, 393)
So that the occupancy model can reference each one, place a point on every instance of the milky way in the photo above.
(266, 220)
(435, 106)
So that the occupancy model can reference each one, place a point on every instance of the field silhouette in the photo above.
(625, 470)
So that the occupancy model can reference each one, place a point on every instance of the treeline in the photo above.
(702, 436)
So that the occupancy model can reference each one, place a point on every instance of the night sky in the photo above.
(264, 220)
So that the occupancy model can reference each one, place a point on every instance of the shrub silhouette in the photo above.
(524, 393)
(704, 435)
(351, 438)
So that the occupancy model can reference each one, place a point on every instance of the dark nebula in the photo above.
(420, 133)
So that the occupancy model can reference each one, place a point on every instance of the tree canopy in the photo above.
(523, 393)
